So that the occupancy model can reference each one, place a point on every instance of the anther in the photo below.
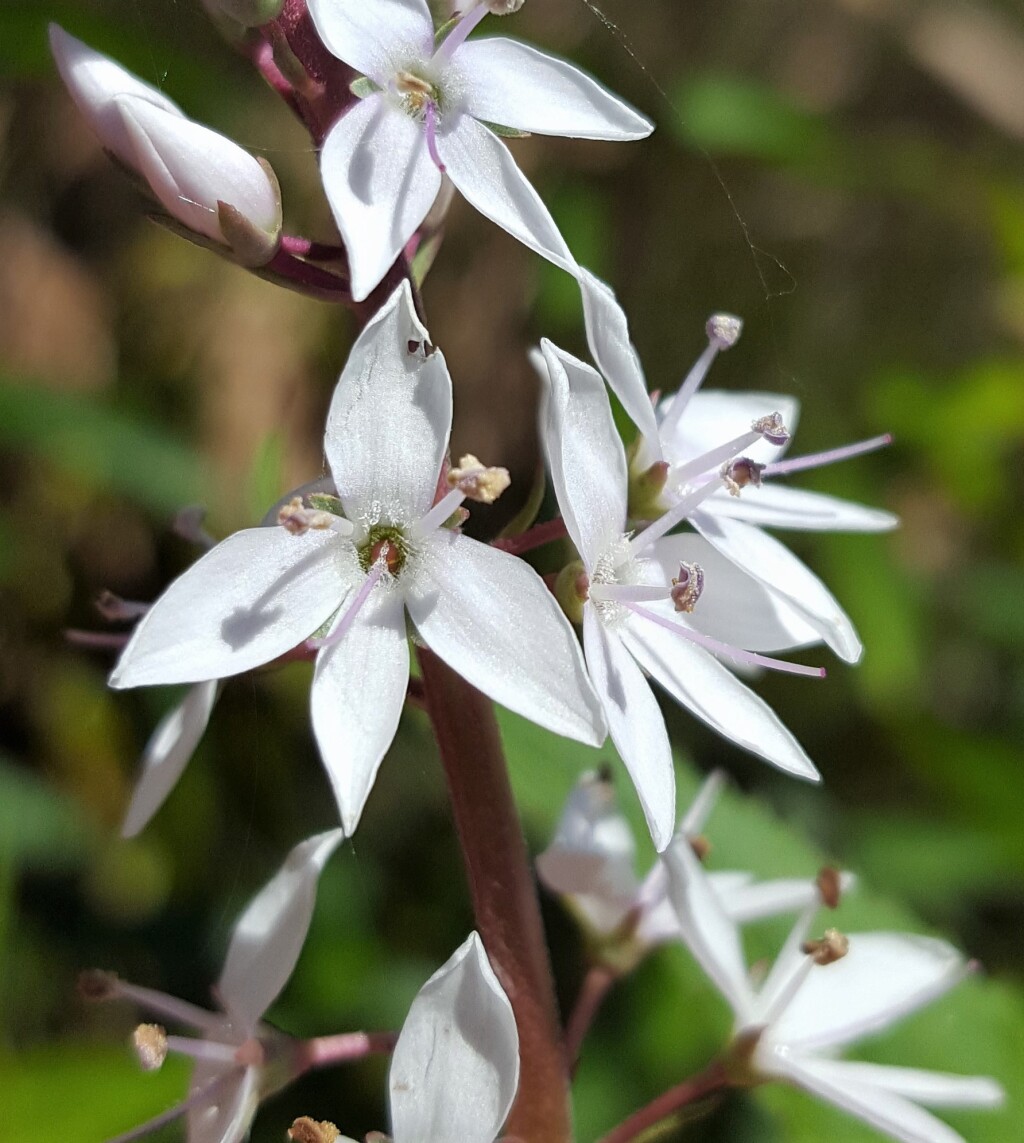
(740, 472)
(416, 87)
(114, 609)
(724, 330)
(829, 883)
(306, 1130)
(477, 481)
(772, 429)
(94, 984)
(687, 587)
(150, 1044)
(296, 518)
(833, 946)
(700, 846)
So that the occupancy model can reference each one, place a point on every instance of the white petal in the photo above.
(380, 182)
(357, 698)
(93, 81)
(388, 425)
(635, 724)
(886, 1112)
(593, 850)
(375, 38)
(734, 607)
(775, 506)
(762, 556)
(709, 934)
(483, 170)
(585, 453)
(227, 1116)
(167, 754)
(191, 168)
(711, 692)
(615, 355)
(756, 900)
(713, 417)
(515, 85)
(882, 978)
(933, 1089)
(455, 1069)
(269, 935)
(256, 595)
(492, 619)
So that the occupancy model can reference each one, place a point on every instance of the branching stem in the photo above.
(710, 1081)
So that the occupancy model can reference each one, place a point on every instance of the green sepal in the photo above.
(324, 502)
(363, 86)
(505, 132)
(442, 32)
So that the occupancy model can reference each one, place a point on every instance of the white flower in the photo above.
(689, 421)
(263, 591)
(430, 113)
(239, 1060)
(455, 1070)
(592, 861)
(202, 179)
(630, 623)
(822, 995)
(167, 754)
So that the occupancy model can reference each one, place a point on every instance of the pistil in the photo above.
(723, 332)
(378, 569)
(816, 460)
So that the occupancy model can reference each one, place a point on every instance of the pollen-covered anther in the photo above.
(296, 518)
(418, 92)
(829, 883)
(833, 946)
(724, 330)
(738, 473)
(687, 587)
(94, 984)
(772, 429)
(306, 1130)
(150, 1044)
(477, 481)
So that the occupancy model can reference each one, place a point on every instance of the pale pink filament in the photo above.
(441, 511)
(345, 624)
(694, 380)
(431, 123)
(457, 36)
(196, 1099)
(714, 457)
(673, 516)
(816, 460)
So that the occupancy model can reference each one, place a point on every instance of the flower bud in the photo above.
(204, 180)
(94, 81)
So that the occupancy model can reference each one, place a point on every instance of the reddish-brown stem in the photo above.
(534, 537)
(594, 989)
(503, 894)
(710, 1081)
(310, 279)
(327, 1051)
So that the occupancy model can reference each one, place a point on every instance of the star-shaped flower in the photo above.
(385, 555)
(239, 1060)
(687, 421)
(649, 608)
(822, 995)
(431, 111)
(592, 862)
(455, 1070)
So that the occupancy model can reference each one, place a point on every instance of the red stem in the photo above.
(504, 898)
(713, 1079)
(534, 537)
(596, 984)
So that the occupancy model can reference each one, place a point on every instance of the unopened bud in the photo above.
(833, 946)
(150, 1044)
(645, 489)
(503, 7)
(687, 587)
(724, 330)
(477, 481)
(740, 472)
(772, 429)
(306, 1130)
(830, 886)
(94, 984)
(248, 13)
(572, 590)
(296, 518)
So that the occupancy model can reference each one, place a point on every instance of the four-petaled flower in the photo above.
(649, 608)
(360, 574)
(821, 995)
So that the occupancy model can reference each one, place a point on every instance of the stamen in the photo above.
(442, 510)
(203, 1051)
(816, 460)
(296, 518)
(306, 1130)
(344, 625)
(114, 609)
(196, 1099)
(741, 472)
(830, 885)
(160, 1004)
(723, 332)
(150, 1044)
(457, 36)
(687, 587)
(833, 946)
(478, 481)
(737, 654)
(431, 125)
(665, 523)
(772, 429)
(714, 457)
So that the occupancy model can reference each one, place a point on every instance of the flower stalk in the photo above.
(712, 1080)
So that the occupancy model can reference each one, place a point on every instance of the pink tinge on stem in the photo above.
(431, 125)
(737, 654)
(831, 456)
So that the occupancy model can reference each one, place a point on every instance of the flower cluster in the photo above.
(671, 578)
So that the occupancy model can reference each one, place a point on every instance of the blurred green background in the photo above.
(847, 176)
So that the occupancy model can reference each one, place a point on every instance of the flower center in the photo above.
(417, 92)
(387, 541)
